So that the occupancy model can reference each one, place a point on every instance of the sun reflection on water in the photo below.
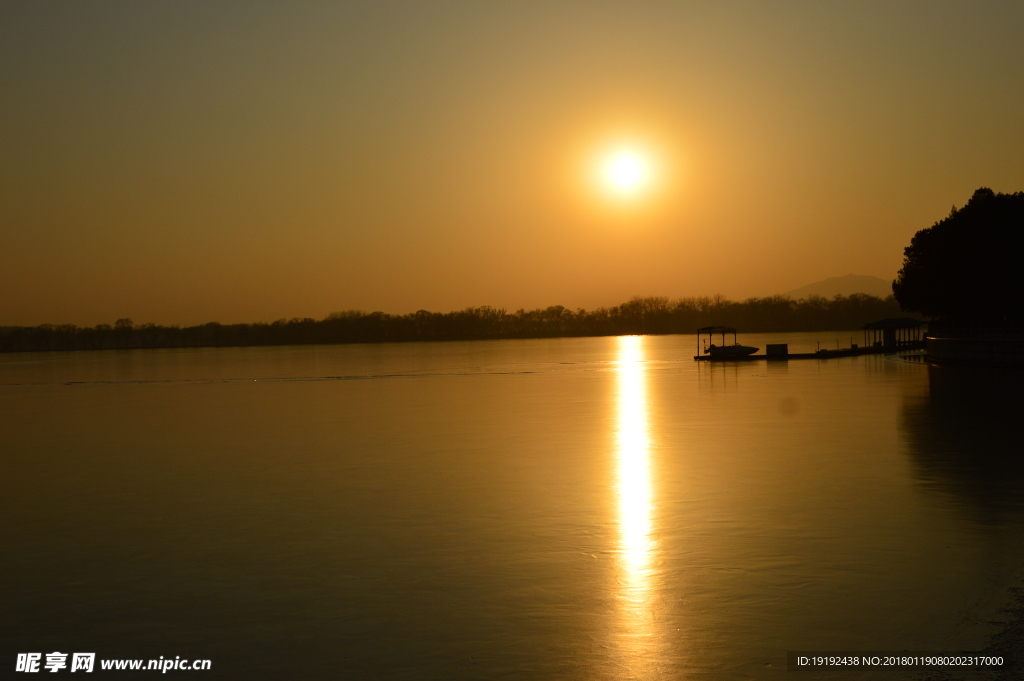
(635, 502)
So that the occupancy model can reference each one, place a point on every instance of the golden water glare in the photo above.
(635, 501)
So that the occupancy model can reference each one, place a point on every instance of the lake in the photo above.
(580, 508)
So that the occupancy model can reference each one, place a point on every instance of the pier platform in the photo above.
(820, 354)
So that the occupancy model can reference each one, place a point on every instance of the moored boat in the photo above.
(722, 351)
(734, 350)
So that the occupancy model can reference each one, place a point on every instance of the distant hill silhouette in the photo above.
(844, 286)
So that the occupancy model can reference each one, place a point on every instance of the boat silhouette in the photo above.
(723, 350)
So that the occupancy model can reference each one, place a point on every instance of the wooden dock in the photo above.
(820, 354)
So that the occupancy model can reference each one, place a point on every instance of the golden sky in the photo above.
(183, 162)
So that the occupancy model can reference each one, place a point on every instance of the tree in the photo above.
(964, 269)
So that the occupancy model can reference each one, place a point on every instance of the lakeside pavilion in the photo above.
(894, 333)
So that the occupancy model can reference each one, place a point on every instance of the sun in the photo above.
(626, 172)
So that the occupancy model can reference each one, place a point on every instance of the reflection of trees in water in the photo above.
(964, 439)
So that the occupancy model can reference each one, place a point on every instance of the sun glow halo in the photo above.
(626, 172)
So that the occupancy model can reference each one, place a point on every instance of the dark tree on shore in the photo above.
(965, 269)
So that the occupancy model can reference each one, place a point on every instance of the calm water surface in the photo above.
(596, 508)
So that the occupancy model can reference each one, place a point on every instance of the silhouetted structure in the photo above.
(712, 330)
(887, 336)
(894, 334)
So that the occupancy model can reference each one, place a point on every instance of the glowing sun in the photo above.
(626, 172)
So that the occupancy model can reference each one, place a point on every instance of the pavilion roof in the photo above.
(895, 323)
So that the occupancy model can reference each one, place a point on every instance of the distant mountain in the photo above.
(851, 283)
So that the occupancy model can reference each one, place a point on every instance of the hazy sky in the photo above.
(181, 162)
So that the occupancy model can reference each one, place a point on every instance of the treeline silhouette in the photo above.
(965, 269)
(641, 315)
